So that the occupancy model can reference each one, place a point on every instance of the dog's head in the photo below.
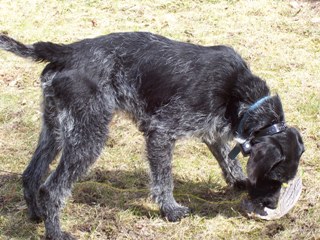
(273, 161)
(274, 149)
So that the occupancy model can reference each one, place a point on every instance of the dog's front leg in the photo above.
(231, 168)
(159, 153)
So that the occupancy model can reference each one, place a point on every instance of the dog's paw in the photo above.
(62, 236)
(174, 213)
(240, 185)
(67, 236)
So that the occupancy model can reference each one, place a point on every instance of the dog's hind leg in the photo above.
(159, 153)
(84, 135)
(44, 154)
(231, 168)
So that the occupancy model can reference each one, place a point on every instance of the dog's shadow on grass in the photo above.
(124, 190)
(128, 190)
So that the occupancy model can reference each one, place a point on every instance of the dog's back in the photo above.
(155, 67)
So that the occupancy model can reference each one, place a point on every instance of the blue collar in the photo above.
(247, 114)
(244, 145)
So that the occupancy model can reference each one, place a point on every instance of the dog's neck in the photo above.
(247, 114)
(259, 115)
(260, 119)
(245, 93)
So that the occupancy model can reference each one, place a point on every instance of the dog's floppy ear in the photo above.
(293, 148)
(263, 158)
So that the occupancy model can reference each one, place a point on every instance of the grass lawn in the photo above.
(279, 39)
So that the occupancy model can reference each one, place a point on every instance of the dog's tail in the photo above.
(40, 51)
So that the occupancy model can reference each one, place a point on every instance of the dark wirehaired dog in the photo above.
(171, 90)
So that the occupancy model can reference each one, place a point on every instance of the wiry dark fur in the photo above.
(171, 90)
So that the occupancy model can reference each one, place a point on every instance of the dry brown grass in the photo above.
(280, 40)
